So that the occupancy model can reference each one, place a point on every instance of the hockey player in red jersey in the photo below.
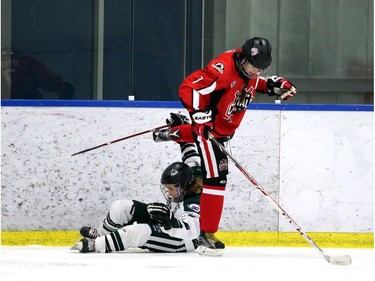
(216, 98)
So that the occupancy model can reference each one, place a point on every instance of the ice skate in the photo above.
(166, 134)
(85, 245)
(209, 245)
(161, 135)
(89, 232)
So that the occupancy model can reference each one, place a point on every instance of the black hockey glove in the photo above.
(280, 87)
(160, 214)
(177, 119)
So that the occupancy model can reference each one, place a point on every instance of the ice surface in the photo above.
(238, 263)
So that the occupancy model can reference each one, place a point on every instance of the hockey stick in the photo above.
(336, 260)
(124, 138)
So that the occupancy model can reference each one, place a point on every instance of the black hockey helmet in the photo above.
(180, 175)
(257, 51)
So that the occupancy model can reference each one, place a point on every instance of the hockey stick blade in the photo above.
(335, 260)
(338, 260)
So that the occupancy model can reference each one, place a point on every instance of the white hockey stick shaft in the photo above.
(337, 260)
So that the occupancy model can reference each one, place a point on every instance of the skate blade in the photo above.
(77, 246)
(204, 251)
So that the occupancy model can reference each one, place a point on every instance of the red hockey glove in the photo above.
(202, 123)
(280, 87)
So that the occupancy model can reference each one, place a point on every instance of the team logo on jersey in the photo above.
(233, 84)
(219, 67)
(239, 104)
(254, 51)
(223, 165)
(195, 207)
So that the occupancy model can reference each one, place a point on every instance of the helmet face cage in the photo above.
(180, 176)
(165, 190)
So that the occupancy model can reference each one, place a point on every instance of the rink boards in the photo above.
(315, 160)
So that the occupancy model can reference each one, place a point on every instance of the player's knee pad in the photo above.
(118, 216)
(120, 211)
(121, 205)
(135, 235)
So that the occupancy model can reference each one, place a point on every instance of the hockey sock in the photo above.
(134, 235)
(189, 153)
(211, 207)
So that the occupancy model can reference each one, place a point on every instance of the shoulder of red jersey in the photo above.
(224, 63)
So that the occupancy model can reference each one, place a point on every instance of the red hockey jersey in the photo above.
(218, 87)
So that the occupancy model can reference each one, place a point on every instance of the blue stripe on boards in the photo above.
(93, 103)
(177, 104)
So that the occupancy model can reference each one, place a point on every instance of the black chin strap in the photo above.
(239, 60)
(245, 97)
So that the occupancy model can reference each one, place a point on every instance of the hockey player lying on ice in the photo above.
(172, 227)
